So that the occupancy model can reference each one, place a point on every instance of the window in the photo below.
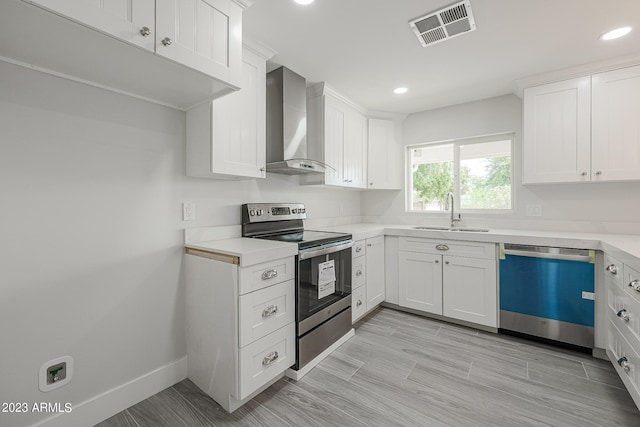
(476, 170)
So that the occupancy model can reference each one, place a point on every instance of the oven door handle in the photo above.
(323, 250)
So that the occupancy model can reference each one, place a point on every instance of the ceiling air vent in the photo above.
(443, 24)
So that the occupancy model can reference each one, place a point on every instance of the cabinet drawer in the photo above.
(625, 310)
(266, 359)
(631, 283)
(359, 249)
(358, 272)
(260, 276)
(448, 247)
(358, 303)
(617, 348)
(613, 271)
(264, 311)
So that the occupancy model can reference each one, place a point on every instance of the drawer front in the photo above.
(266, 310)
(266, 359)
(359, 249)
(629, 368)
(631, 283)
(266, 274)
(358, 272)
(358, 303)
(448, 247)
(613, 271)
(625, 309)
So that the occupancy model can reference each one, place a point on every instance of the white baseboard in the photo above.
(296, 375)
(109, 403)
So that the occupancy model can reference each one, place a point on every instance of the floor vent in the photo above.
(443, 24)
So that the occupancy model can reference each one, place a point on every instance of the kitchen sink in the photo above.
(472, 230)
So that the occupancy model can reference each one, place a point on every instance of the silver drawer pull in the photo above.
(358, 303)
(635, 285)
(613, 269)
(270, 311)
(359, 249)
(624, 364)
(442, 247)
(269, 274)
(358, 273)
(270, 358)
(623, 314)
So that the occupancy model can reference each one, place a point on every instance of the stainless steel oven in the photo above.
(323, 274)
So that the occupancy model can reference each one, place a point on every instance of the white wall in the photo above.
(597, 207)
(91, 186)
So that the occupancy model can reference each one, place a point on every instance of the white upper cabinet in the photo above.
(337, 136)
(384, 164)
(179, 53)
(205, 35)
(556, 145)
(615, 140)
(226, 137)
(130, 20)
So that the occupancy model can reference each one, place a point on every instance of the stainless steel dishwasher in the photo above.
(548, 293)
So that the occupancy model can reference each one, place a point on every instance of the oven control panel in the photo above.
(264, 212)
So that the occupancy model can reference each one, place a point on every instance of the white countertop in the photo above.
(624, 247)
(250, 251)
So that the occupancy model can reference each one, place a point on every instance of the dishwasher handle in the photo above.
(566, 254)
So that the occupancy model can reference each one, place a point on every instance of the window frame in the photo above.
(456, 171)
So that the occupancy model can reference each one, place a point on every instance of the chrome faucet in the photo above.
(454, 220)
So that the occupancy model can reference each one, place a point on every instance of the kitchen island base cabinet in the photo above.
(454, 279)
(240, 337)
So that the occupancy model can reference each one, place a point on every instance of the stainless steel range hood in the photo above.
(287, 125)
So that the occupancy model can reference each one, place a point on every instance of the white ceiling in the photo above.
(365, 48)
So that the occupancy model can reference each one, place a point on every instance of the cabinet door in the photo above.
(616, 125)
(202, 34)
(375, 272)
(470, 290)
(334, 122)
(124, 19)
(383, 164)
(355, 149)
(556, 145)
(238, 124)
(420, 281)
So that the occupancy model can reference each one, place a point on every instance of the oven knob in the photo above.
(259, 212)
(303, 210)
(295, 211)
(252, 212)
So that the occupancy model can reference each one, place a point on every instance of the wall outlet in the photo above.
(534, 210)
(55, 373)
(188, 211)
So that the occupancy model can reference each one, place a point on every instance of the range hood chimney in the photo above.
(287, 124)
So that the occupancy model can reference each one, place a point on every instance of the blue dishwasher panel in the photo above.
(547, 288)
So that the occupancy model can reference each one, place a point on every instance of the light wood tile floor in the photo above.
(406, 370)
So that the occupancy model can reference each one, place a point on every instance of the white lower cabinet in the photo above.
(459, 287)
(367, 281)
(240, 325)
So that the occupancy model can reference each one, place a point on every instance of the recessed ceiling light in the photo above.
(400, 90)
(614, 34)
(304, 2)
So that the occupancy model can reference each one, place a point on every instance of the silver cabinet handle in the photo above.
(145, 31)
(262, 169)
(358, 303)
(599, 173)
(623, 314)
(358, 273)
(167, 41)
(270, 358)
(446, 262)
(369, 245)
(359, 249)
(269, 274)
(442, 247)
(269, 311)
(371, 184)
(613, 269)
(437, 261)
(635, 285)
(624, 363)
(584, 174)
